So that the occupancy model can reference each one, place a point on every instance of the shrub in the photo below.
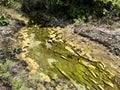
(75, 8)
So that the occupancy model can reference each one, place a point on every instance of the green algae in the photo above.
(53, 58)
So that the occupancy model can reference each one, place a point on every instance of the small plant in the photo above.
(5, 75)
(79, 21)
(20, 82)
(3, 20)
(4, 71)
(19, 85)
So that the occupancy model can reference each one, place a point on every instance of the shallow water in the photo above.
(58, 58)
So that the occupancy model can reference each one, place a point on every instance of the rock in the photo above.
(109, 39)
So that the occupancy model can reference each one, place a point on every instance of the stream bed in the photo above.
(44, 53)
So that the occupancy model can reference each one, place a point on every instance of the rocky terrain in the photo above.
(109, 38)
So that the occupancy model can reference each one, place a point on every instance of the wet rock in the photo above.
(19, 50)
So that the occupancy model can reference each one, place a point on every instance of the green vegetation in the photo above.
(75, 9)
(6, 75)
(19, 83)
(3, 20)
(7, 2)
(4, 71)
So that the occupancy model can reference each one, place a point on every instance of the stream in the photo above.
(56, 58)
(51, 58)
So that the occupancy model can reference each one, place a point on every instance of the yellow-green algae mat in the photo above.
(56, 58)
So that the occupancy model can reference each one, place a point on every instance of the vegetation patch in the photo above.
(79, 10)
(7, 3)
(4, 71)
(3, 20)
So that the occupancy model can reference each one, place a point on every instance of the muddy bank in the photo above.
(108, 38)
